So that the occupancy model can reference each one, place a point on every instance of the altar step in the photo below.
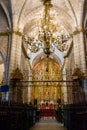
(48, 124)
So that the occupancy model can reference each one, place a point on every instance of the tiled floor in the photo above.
(48, 124)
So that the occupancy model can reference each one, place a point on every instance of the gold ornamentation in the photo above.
(48, 37)
(78, 31)
(21, 34)
(78, 73)
(46, 71)
(46, 2)
(6, 33)
(16, 74)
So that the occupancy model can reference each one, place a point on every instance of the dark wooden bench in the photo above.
(17, 116)
(75, 117)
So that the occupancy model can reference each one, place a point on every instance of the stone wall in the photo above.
(1, 73)
(69, 64)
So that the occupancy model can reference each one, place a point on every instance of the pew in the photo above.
(15, 116)
(75, 116)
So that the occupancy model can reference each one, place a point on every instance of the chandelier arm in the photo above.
(47, 39)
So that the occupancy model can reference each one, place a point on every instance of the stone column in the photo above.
(29, 93)
(30, 86)
(79, 51)
(64, 88)
(79, 54)
(15, 57)
(15, 52)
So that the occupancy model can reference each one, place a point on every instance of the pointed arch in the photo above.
(72, 10)
(7, 14)
(42, 55)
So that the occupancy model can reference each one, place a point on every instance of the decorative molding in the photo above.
(77, 31)
(17, 74)
(63, 66)
(11, 32)
(25, 52)
(78, 74)
(69, 50)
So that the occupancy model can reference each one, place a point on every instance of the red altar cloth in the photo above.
(48, 111)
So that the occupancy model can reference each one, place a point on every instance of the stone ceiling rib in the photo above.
(22, 10)
(77, 9)
(26, 18)
(27, 9)
(7, 13)
(60, 17)
(67, 24)
(26, 14)
(16, 10)
(38, 58)
(71, 9)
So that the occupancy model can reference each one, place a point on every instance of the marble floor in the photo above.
(48, 124)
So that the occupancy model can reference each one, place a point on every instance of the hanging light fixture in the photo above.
(47, 39)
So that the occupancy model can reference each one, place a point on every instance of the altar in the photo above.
(45, 89)
(47, 110)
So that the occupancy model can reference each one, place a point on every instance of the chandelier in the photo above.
(47, 39)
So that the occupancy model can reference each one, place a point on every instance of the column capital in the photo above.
(79, 30)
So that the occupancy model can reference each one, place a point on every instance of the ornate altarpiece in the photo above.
(46, 70)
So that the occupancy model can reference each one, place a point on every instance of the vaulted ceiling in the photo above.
(27, 14)
(66, 15)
